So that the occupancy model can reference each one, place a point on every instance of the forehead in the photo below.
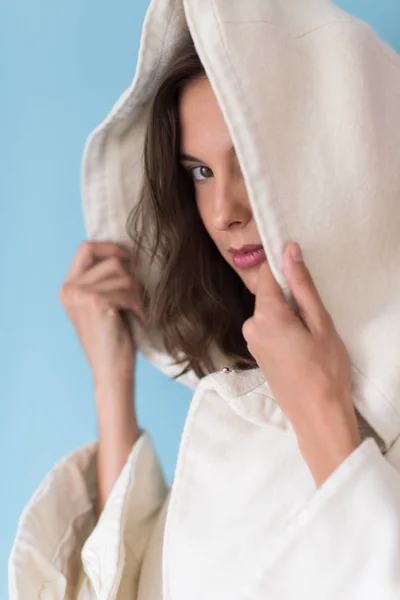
(202, 123)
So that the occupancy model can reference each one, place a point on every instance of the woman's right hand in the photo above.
(100, 282)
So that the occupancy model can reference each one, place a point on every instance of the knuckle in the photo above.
(252, 328)
(247, 328)
(86, 246)
(127, 283)
(63, 292)
(117, 266)
(85, 250)
(94, 300)
(125, 271)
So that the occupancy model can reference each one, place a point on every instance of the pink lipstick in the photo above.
(248, 256)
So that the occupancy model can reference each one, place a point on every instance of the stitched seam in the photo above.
(282, 219)
(378, 391)
(344, 21)
(63, 540)
(165, 37)
(121, 545)
(174, 498)
(264, 22)
(358, 24)
(118, 575)
(295, 37)
(127, 101)
(261, 21)
(252, 389)
(69, 529)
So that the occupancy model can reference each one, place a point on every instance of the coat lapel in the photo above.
(239, 478)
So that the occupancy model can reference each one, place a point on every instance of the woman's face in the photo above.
(221, 195)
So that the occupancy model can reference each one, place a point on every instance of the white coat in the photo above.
(310, 95)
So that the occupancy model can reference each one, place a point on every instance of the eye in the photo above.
(193, 169)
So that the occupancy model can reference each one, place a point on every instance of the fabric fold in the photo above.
(60, 552)
(345, 542)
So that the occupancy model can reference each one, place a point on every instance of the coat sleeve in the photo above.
(60, 552)
(345, 542)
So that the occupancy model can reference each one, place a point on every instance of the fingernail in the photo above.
(297, 254)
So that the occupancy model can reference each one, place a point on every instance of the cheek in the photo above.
(202, 205)
(205, 209)
(206, 217)
(216, 236)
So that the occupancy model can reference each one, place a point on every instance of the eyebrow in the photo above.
(184, 156)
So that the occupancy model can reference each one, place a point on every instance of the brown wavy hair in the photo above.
(200, 301)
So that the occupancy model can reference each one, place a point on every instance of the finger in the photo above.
(89, 251)
(112, 284)
(268, 289)
(115, 300)
(105, 269)
(121, 285)
(304, 291)
(123, 301)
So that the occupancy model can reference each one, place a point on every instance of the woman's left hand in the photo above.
(306, 365)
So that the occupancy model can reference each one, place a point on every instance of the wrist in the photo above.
(327, 443)
(115, 408)
(118, 431)
(108, 388)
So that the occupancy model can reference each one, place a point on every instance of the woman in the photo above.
(277, 472)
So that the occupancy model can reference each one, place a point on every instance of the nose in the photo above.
(231, 205)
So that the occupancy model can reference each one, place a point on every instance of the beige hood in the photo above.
(311, 98)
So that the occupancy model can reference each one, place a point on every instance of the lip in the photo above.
(249, 258)
(246, 248)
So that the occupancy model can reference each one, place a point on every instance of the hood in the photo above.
(311, 98)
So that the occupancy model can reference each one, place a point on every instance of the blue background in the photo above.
(62, 66)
